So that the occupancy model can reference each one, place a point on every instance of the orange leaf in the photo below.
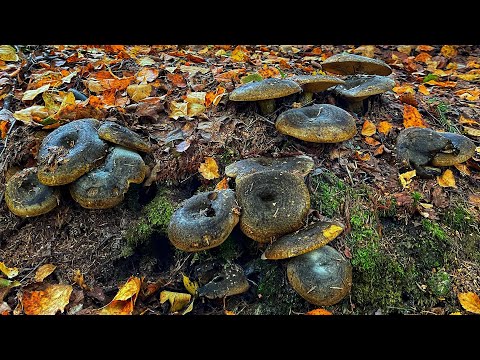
(124, 302)
(209, 169)
(214, 97)
(117, 84)
(384, 127)
(228, 312)
(368, 128)
(147, 74)
(411, 117)
(424, 48)
(230, 75)
(468, 94)
(177, 80)
(448, 51)
(470, 302)
(371, 141)
(43, 271)
(222, 184)
(4, 125)
(268, 72)
(240, 53)
(48, 301)
(379, 150)
(318, 311)
(474, 199)
(363, 157)
(403, 89)
(442, 83)
(423, 57)
(423, 89)
(80, 280)
(463, 168)
(446, 179)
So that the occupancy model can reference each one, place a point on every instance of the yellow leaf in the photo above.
(124, 302)
(403, 89)
(406, 178)
(139, 92)
(222, 184)
(332, 231)
(318, 311)
(448, 51)
(47, 301)
(195, 109)
(471, 131)
(147, 74)
(239, 54)
(209, 169)
(26, 115)
(228, 312)
(446, 179)
(456, 313)
(69, 77)
(189, 308)
(197, 97)
(8, 53)
(463, 168)
(191, 286)
(30, 94)
(94, 86)
(426, 205)
(442, 83)
(177, 300)
(43, 271)
(474, 199)
(470, 76)
(423, 89)
(178, 109)
(365, 50)
(411, 117)
(406, 49)
(463, 120)
(468, 94)
(384, 127)
(80, 280)
(8, 272)
(368, 128)
(470, 302)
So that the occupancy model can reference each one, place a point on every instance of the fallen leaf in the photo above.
(446, 179)
(384, 127)
(178, 109)
(411, 117)
(470, 302)
(406, 178)
(239, 54)
(189, 308)
(468, 94)
(4, 126)
(406, 49)
(421, 48)
(442, 83)
(371, 141)
(177, 79)
(139, 92)
(318, 311)
(228, 312)
(43, 271)
(455, 313)
(251, 77)
(463, 168)
(67, 79)
(403, 89)
(230, 75)
(332, 231)
(182, 146)
(463, 120)
(124, 302)
(48, 301)
(363, 157)
(94, 86)
(177, 300)
(408, 98)
(26, 115)
(147, 74)
(379, 150)
(472, 75)
(194, 109)
(190, 286)
(8, 272)
(30, 94)
(5, 309)
(268, 72)
(471, 131)
(368, 128)
(197, 97)
(449, 51)
(423, 57)
(209, 169)
(8, 53)
(474, 199)
(365, 50)
(4, 283)
(214, 97)
(423, 89)
(192, 70)
(146, 61)
(222, 184)
(79, 279)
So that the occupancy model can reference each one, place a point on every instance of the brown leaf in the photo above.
(408, 98)
(439, 197)
(124, 302)
(447, 179)
(230, 75)
(423, 57)
(139, 92)
(379, 150)
(209, 169)
(177, 80)
(147, 74)
(470, 302)
(47, 301)
(363, 157)
(368, 128)
(371, 141)
(43, 271)
(421, 48)
(463, 168)
(474, 199)
(463, 120)
(411, 117)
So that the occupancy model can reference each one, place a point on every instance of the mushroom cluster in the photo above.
(97, 160)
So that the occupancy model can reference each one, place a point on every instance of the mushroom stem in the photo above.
(357, 107)
(266, 106)
(306, 97)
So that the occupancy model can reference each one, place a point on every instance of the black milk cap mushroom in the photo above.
(106, 186)
(273, 202)
(304, 240)
(351, 64)
(265, 92)
(70, 151)
(120, 135)
(204, 220)
(300, 165)
(314, 83)
(463, 149)
(26, 196)
(230, 281)
(320, 123)
(322, 277)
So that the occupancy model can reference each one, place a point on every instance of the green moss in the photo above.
(458, 218)
(434, 229)
(440, 283)
(328, 193)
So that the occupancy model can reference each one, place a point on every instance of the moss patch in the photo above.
(328, 193)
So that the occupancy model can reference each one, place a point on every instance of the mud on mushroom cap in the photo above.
(350, 64)
(464, 150)
(120, 135)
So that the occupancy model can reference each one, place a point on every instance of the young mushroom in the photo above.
(351, 64)
(265, 92)
(120, 135)
(231, 281)
(313, 84)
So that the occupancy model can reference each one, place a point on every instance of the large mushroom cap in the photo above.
(316, 83)
(273, 202)
(464, 149)
(26, 196)
(106, 186)
(320, 123)
(322, 277)
(264, 90)
(70, 151)
(230, 281)
(359, 87)
(304, 240)
(204, 221)
(350, 64)
(120, 135)
(301, 165)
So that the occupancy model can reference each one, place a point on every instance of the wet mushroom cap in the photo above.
(465, 149)
(25, 196)
(120, 135)
(70, 151)
(301, 165)
(320, 123)
(360, 87)
(316, 83)
(304, 240)
(204, 220)
(322, 277)
(264, 90)
(231, 281)
(273, 202)
(350, 64)
(106, 186)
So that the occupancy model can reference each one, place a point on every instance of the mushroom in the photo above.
(358, 88)
(70, 151)
(26, 196)
(231, 281)
(314, 83)
(304, 240)
(106, 186)
(320, 123)
(120, 135)
(265, 92)
(301, 165)
(273, 202)
(204, 220)
(322, 277)
(464, 149)
(350, 64)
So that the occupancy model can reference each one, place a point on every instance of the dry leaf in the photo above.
(408, 98)
(474, 199)
(79, 279)
(446, 179)
(471, 131)
(403, 89)
(8, 53)
(192, 70)
(222, 184)
(423, 57)
(124, 302)
(4, 126)
(8, 272)
(472, 75)
(363, 157)
(197, 97)
(423, 89)
(470, 302)
(463, 120)
(240, 53)
(368, 128)
(371, 141)
(448, 51)
(318, 311)
(139, 92)
(384, 127)
(442, 83)
(463, 168)
(411, 117)
(421, 48)
(365, 50)
(147, 74)
(228, 312)
(178, 109)
(67, 79)
(194, 109)
(48, 301)
(332, 231)
(190, 286)
(214, 97)
(406, 178)
(43, 271)
(30, 94)
(468, 94)
(379, 150)
(209, 169)
(177, 300)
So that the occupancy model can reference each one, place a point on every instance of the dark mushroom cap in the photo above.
(70, 151)
(301, 165)
(316, 83)
(266, 89)
(322, 277)
(273, 202)
(350, 64)
(204, 221)
(231, 281)
(304, 240)
(105, 186)
(26, 196)
(120, 135)
(320, 123)
(464, 149)
(360, 87)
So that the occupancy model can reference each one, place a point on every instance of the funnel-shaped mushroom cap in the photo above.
(316, 83)
(360, 87)
(204, 221)
(106, 186)
(464, 149)
(120, 135)
(26, 196)
(322, 277)
(320, 123)
(70, 151)
(304, 240)
(300, 165)
(264, 90)
(231, 281)
(350, 64)
(274, 203)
